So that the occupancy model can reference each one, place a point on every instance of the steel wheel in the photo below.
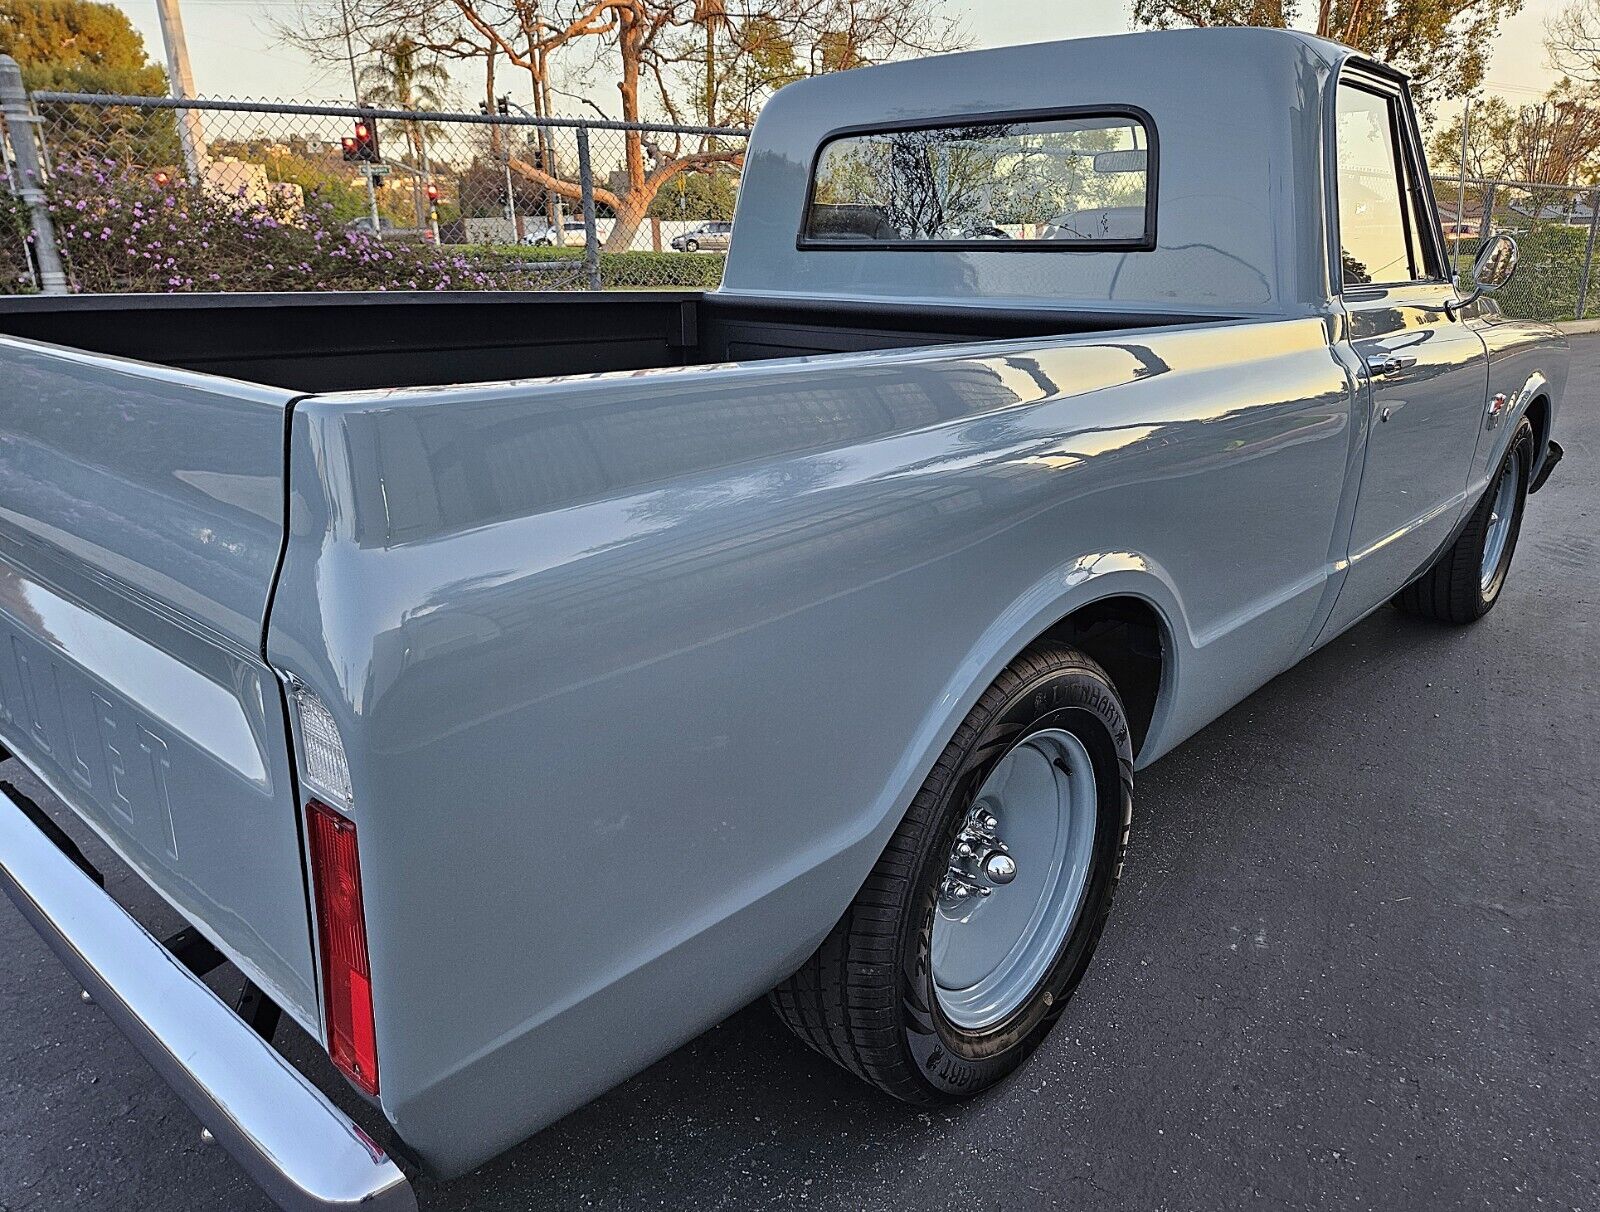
(1501, 514)
(1016, 880)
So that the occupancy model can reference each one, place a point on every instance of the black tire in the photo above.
(1453, 590)
(691, 246)
(865, 999)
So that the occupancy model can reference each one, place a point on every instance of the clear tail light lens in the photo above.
(342, 932)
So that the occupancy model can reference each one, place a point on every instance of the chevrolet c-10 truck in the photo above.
(511, 686)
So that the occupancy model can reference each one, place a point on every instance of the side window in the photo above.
(1375, 228)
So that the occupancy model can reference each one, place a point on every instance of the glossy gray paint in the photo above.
(141, 520)
(1237, 114)
(489, 585)
(783, 583)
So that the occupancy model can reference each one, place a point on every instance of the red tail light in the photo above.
(342, 931)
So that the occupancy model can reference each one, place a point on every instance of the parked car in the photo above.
(712, 236)
(545, 234)
(651, 651)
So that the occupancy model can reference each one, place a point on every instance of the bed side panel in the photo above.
(636, 672)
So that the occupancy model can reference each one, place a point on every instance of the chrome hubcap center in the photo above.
(979, 862)
(1000, 868)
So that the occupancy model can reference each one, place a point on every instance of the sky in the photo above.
(234, 53)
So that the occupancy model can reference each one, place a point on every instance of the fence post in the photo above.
(1588, 256)
(20, 122)
(591, 241)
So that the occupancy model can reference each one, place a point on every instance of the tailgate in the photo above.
(141, 520)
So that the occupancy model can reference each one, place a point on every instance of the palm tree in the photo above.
(403, 78)
(711, 16)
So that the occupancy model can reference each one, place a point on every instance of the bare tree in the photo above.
(1444, 44)
(1572, 38)
(671, 59)
(1555, 142)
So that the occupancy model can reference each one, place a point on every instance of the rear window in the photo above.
(1070, 181)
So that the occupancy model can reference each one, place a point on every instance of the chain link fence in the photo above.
(1555, 228)
(150, 194)
(118, 193)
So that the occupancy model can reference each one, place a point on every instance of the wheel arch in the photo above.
(1532, 401)
(1111, 600)
(1111, 605)
(1131, 640)
(1538, 414)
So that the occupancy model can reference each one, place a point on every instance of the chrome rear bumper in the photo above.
(303, 1151)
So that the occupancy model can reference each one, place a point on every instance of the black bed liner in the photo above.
(341, 341)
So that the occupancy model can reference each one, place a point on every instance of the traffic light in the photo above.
(362, 147)
(502, 105)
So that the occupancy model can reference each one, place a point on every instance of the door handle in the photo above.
(1388, 364)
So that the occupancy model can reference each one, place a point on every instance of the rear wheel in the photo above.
(978, 921)
(1464, 583)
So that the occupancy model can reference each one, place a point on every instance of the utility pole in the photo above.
(28, 181)
(191, 134)
(355, 95)
(1461, 193)
(350, 51)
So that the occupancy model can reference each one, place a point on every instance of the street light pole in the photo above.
(350, 51)
(355, 95)
(1461, 193)
(191, 134)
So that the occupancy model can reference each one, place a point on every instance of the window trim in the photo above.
(1411, 179)
(1145, 243)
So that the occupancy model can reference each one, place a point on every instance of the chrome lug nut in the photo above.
(1000, 868)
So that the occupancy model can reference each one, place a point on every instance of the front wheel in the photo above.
(978, 921)
(691, 246)
(1464, 583)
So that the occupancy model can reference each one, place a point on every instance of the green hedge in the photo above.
(1549, 269)
(696, 271)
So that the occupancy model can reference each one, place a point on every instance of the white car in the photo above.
(545, 233)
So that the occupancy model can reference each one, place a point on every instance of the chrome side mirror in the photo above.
(1492, 267)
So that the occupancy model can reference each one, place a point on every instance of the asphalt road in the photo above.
(1353, 964)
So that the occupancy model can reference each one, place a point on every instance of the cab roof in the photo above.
(1238, 116)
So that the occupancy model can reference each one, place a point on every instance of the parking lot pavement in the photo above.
(1352, 964)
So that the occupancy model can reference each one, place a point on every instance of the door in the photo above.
(1424, 372)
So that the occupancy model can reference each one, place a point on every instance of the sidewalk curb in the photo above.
(1578, 327)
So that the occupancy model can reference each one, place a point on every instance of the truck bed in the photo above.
(362, 341)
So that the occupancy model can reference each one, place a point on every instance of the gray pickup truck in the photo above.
(511, 686)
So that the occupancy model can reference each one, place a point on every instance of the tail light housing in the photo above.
(342, 934)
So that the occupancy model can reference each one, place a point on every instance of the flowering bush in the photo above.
(15, 273)
(122, 231)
